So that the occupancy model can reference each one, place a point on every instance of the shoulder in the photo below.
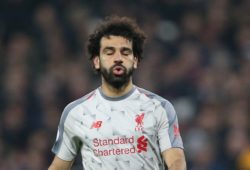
(159, 100)
(150, 95)
(76, 106)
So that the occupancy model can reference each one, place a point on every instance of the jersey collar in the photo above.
(116, 98)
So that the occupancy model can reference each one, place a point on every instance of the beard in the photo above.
(116, 81)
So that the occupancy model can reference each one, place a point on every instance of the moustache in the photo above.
(118, 65)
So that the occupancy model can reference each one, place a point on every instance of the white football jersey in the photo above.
(127, 132)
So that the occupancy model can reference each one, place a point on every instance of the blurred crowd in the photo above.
(197, 56)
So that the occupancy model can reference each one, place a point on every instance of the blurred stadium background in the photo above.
(197, 56)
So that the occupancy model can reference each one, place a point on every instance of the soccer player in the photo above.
(118, 126)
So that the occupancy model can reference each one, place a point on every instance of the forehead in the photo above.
(115, 41)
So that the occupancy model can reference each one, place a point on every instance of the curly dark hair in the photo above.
(117, 26)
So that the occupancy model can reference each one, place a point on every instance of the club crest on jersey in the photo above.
(139, 122)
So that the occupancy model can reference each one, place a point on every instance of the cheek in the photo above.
(104, 65)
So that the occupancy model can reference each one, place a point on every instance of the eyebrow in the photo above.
(126, 49)
(113, 48)
(108, 48)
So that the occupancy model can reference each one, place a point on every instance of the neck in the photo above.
(111, 91)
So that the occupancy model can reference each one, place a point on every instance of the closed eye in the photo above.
(126, 51)
(108, 51)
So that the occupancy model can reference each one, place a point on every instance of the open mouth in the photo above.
(118, 70)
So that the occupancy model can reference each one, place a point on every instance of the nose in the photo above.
(118, 56)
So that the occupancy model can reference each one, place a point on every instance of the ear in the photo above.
(96, 62)
(135, 62)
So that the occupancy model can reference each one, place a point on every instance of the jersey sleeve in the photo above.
(168, 133)
(67, 144)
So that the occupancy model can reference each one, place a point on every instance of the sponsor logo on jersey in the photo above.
(139, 122)
(142, 144)
(119, 145)
(113, 141)
(96, 124)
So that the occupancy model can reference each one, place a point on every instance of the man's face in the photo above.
(116, 61)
